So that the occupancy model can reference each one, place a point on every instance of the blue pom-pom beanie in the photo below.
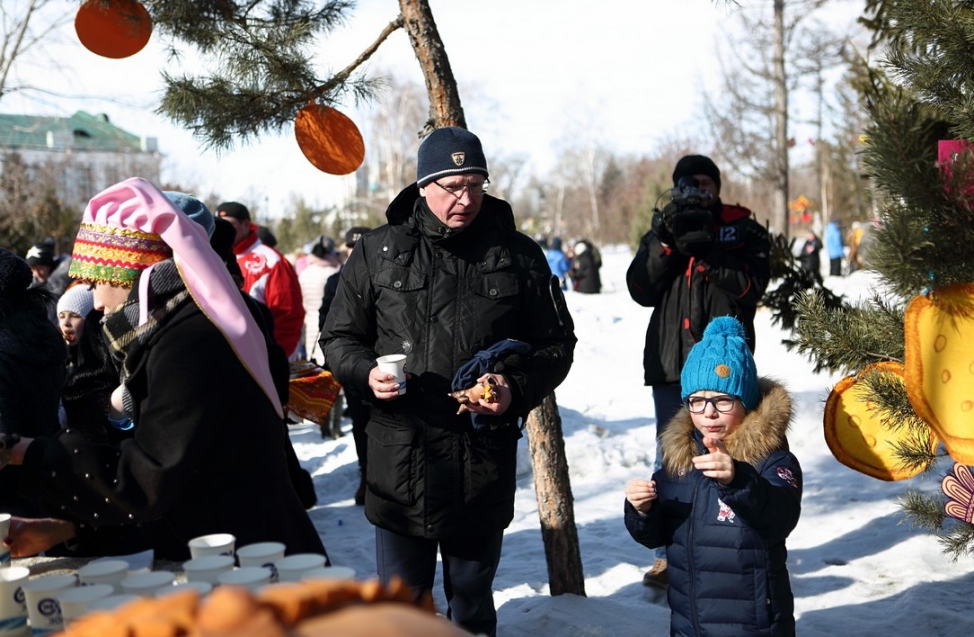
(722, 362)
(449, 151)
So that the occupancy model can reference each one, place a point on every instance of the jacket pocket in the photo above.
(392, 460)
(497, 285)
(491, 465)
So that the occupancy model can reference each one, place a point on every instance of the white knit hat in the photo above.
(79, 299)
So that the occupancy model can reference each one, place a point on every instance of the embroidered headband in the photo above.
(107, 254)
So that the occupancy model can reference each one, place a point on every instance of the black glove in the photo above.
(661, 228)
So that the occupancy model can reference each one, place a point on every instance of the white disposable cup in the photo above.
(215, 544)
(43, 609)
(148, 584)
(4, 532)
(394, 364)
(112, 602)
(250, 577)
(110, 572)
(329, 572)
(293, 567)
(200, 587)
(261, 554)
(207, 569)
(75, 601)
(13, 607)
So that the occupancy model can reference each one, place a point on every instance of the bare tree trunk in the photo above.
(445, 108)
(781, 120)
(554, 492)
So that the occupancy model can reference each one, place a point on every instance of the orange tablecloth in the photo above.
(313, 394)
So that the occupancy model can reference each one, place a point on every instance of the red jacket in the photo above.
(269, 278)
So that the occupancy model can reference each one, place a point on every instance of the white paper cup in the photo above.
(250, 577)
(112, 602)
(215, 544)
(260, 554)
(43, 609)
(13, 607)
(202, 588)
(110, 572)
(4, 532)
(148, 584)
(74, 601)
(394, 364)
(207, 569)
(329, 572)
(293, 567)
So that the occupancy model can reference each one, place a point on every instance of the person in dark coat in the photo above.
(585, 267)
(32, 357)
(690, 273)
(358, 405)
(207, 454)
(809, 259)
(728, 496)
(447, 278)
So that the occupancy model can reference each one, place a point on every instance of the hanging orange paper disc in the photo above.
(329, 139)
(113, 28)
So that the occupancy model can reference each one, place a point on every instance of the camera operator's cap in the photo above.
(691, 165)
(354, 235)
(233, 209)
(449, 151)
(722, 362)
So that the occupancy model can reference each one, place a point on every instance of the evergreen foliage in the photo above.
(924, 235)
(261, 66)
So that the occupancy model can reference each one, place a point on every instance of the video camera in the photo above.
(688, 217)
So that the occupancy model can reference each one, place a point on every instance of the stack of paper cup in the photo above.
(75, 601)
(110, 572)
(215, 544)
(202, 588)
(4, 532)
(207, 569)
(293, 567)
(13, 609)
(43, 609)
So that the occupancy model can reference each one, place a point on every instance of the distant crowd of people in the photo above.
(846, 251)
(144, 381)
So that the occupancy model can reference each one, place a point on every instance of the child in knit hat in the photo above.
(72, 309)
(728, 495)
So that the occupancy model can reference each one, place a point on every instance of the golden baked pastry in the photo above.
(316, 608)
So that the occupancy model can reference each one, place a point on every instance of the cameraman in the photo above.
(701, 259)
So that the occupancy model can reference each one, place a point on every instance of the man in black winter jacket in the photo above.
(701, 259)
(448, 277)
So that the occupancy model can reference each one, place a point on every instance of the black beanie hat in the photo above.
(449, 151)
(233, 209)
(41, 253)
(696, 165)
(354, 234)
(15, 274)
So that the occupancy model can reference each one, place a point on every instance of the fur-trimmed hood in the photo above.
(762, 431)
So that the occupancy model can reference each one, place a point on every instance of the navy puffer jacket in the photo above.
(725, 545)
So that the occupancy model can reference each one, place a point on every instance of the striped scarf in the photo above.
(126, 339)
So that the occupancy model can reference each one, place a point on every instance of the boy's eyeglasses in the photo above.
(723, 404)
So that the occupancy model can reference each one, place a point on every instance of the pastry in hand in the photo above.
(475, 394)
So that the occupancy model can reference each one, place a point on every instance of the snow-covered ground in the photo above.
(855, 569)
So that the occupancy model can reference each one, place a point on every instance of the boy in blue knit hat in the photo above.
(728, 495)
